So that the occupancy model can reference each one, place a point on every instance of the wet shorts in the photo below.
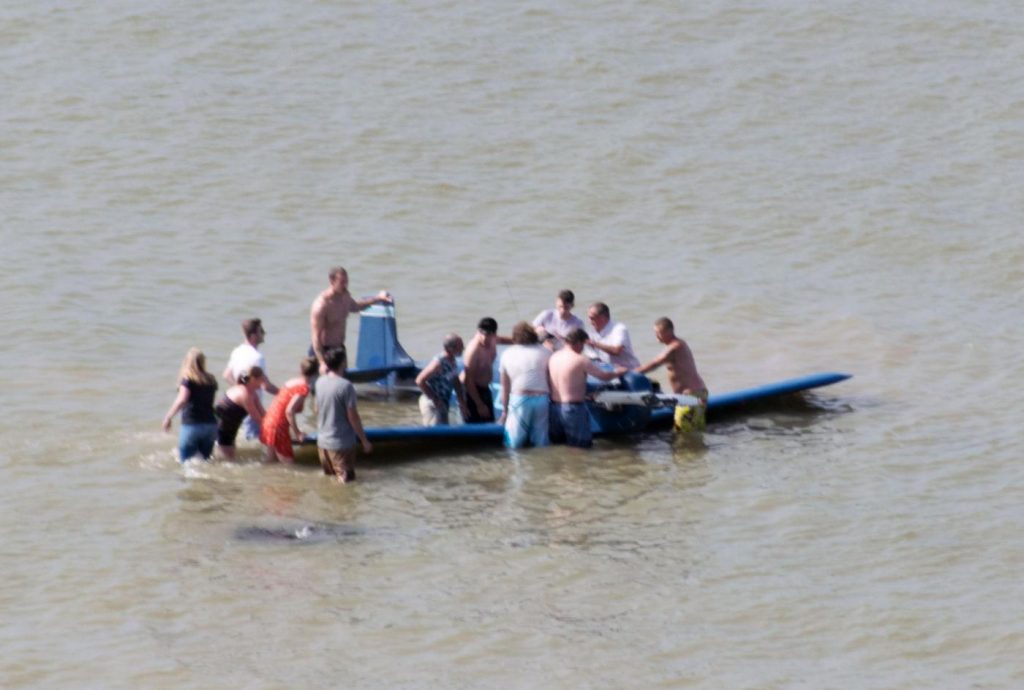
(570, 424)
(689, 418)
(478, 415)
(526, 421)
(340, 463)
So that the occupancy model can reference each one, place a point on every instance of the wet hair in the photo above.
(524, 334)
(309, 366)
(193, 368)
(568, 299)
(487, 325)
(665, 324)
(335, 272)
(254, 373)
(602, 309)
(576, 336)
(451, 340)
(251, 326)
(334, 357)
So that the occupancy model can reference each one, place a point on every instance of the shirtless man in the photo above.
(682, 375)
(328, 317)
(568, 369)
(478, 361)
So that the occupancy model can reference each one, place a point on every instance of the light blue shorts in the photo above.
(526, 421)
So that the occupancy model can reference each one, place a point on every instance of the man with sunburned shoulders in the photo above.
(682, 375)
(568, 369)
(328, 317)
(478, 362)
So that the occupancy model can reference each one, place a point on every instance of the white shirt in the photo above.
(553, 324)
(245, 357)
(527, 368)
(614, 334)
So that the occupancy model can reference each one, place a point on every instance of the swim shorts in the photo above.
(690, 418)
(526, 420)
(477, 415)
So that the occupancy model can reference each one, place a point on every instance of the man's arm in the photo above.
(460, 395)
(382, 297)
(659, 360)
(469, 365)
(316, 327)
(599, 373)
(610, 348)
(424, 376)
(357, 426)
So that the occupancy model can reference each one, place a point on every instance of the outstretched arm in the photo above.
(657, 361)
(604, 375)
(382, 297)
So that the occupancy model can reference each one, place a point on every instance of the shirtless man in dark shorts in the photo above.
(328, 317)
(478, 360)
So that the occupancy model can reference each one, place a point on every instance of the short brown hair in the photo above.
(524, 334)
(577, 335)
(665, 323)
(251, 326)
(567, 297)
(309, 366)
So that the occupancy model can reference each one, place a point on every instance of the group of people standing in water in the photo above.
(543, 378)
(544, 374)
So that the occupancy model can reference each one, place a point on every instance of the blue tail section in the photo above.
(379, 353)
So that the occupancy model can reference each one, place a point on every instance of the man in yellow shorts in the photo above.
(682, 376)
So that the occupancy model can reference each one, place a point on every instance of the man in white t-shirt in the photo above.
(554, 325)
(609, 340)
(245, 357)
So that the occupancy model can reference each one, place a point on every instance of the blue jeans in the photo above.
(570, 424)
(196, 439)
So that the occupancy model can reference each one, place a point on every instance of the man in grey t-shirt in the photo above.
(338, 422)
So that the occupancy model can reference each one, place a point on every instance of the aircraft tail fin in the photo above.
(379, 349)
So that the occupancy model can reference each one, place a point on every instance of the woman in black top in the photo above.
(196, 391)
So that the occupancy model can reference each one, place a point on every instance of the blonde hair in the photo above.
(193, 368)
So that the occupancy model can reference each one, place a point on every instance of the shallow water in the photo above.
(799, 188)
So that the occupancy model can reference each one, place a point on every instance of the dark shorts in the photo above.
(486, 414)
(227, 431)
(570, 424)
(339, 463)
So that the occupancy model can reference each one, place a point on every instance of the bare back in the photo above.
(682, 369)
(568, 372)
